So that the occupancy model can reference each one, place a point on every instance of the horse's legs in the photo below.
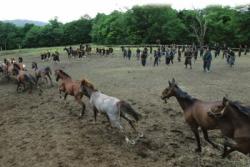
(50, 79)
(79, 101)
(18, 85)
(197, 137)
(207, 139)
(130, 122)
(226, 151)
(95, 112)
(65, 96)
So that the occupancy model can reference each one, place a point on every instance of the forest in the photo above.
(148, 24)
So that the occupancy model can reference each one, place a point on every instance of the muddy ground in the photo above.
(42, 130)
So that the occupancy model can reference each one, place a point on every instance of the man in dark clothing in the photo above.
(129, 53)
(144, 56)
(138, 52)
(167, 57)
(246, 50)
(179, 54)
(232, 58)
(125, 53)
(207, 58)
(201, 51)
(150, 49)
(188, 58)
(172, 53)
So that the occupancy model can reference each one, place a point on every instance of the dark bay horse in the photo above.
(112, 107)
(195, 112)
(24, 77)
(42, 73)
(70, 87)
(234, 122)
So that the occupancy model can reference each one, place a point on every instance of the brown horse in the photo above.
(195, 112)
(70, 87)
(234, 122)
(24, 77)
(10, 67)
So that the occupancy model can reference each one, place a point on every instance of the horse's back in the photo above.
(200, 113)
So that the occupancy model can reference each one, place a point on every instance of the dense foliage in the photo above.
(140, 25)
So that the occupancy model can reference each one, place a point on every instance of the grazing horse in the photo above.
(24, 77)
(42, 73)
(234, 122)
(112, 107)
(195, 112)
(70, 87)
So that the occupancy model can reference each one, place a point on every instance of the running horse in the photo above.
(24, 77)
(112, 107)
(42, 73)
(234, 122)
(195, 112)
(10, 64)
(70, 87)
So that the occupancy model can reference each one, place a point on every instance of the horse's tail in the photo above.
(126, 109)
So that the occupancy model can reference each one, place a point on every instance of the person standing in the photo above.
(207, 58)
(179, 54)
(156, 56)
(129, 53)
(124, 53)
(188, 57)
(232, 58)
(144, 56)
(138, 52)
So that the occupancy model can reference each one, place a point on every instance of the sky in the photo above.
(68, 10)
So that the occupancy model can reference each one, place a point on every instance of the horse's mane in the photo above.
(184, 95)
(245, 110)
(64, 73)
(87, 83)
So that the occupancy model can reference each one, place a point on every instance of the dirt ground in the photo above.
(40, 131)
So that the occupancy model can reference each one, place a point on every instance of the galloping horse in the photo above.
(23, 77)
(42, 73)
(234, 122)
(70, 87)
(112, 107)
(10, 67)
(195, 112)
(68, 51)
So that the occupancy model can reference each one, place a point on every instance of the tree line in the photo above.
(149, 24)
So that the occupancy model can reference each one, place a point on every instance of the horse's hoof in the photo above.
(141, 135)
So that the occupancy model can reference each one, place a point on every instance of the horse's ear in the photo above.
(224, 101)
(173, 80)
(169, 83)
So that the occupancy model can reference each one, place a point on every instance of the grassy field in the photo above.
(40, 131)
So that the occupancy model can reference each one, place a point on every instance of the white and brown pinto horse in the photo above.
(112, 107)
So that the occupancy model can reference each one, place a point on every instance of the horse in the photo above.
(23, 77)
(112, 107)
(10, 66)
(42, 73)
(195, 112)
(234, 122)
(70, 87)
(68, 52)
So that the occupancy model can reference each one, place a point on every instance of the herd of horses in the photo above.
(231, 117)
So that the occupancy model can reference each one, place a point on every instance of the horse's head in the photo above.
(85, 85)
(34, 65)
(169, 91)
(220, 110)
(57, 74)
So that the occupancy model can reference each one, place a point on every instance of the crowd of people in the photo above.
(190, 53)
